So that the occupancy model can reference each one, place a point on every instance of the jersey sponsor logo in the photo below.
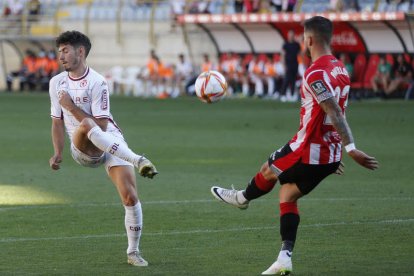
(104, 104)
(83, 83)
(80, 100)
(319, 87)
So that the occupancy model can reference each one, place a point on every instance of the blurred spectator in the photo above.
(33, 7)
(50, 70)
(177, 8)
(336, 6)
(41, 63)
(184, 73)
(344, 58)
(277, 4)
(26, 73)
(291, 5)
(401, 74)
(352, 6)
(238, 6)
(273, 72)
(207, 65)
(233, 71)
(290, 50)
(256, 75)
(382, 76)
(15, 6)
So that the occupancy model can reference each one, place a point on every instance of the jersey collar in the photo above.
(82, 77)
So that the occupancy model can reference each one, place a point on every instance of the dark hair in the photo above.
(75, 39)
(321, 27)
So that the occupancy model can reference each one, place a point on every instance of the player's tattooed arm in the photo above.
(334, 112)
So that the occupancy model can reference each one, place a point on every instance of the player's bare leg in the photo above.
(262, 183)
(123, 178)
(101, 141)
(289, 222)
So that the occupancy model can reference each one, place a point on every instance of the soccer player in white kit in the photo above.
(80, 103)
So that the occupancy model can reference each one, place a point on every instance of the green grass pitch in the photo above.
(70, 222)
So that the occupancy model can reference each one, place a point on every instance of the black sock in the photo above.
(289, 224)
(252, 191)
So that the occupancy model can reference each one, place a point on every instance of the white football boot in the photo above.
(136, 259)
(146, 168)
(232, 197)
(280, 267)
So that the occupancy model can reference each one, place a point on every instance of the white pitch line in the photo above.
(194, 201)
(208, 231)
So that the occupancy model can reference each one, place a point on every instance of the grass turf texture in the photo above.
(71, 221)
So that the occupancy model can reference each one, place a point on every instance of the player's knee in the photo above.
(130, 199)
(87, 124)
(267, 173)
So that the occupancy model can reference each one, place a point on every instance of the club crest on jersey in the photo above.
(318, 87)
(83, 83)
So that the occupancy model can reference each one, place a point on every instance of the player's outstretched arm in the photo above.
(334, 112)
(58, 140)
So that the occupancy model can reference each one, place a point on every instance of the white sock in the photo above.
(284, 254)
(240, 197)
(105, 142)
(133, 226)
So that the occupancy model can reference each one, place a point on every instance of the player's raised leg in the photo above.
(124, 179)
(262, 183)
(289, 223)
(108, 143)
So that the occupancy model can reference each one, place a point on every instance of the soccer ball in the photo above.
(210, 86)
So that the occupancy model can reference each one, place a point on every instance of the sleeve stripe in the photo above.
(55, 117)
(101, 116)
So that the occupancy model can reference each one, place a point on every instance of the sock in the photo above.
(133, 226)
(105, 142)
(289, 223)
(258, 187)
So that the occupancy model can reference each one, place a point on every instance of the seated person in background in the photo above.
(50, 69)
(401, 74)
(344, 58)
(26, 73)
(382, 76)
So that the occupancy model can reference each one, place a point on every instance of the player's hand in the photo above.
(54, 162)
(146, 168)
(341, 169)
(65, 100)
(363, 159)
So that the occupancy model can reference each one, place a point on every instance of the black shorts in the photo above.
(306, 176)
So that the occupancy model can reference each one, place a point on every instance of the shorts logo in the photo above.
(104, 99)
(318, 87)
(83, 83)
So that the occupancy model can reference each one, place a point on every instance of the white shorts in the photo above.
(107, 159)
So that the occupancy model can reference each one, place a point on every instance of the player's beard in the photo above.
(72, 65)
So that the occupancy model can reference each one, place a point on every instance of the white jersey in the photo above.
(89, 93)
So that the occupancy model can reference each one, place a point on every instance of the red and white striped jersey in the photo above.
(89, 92)
(317, 141)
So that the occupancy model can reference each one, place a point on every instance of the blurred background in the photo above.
(157, 48)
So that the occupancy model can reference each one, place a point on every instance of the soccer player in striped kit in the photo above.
(80, 104)
(315, 151)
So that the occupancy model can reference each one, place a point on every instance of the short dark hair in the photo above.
(75, 39)
(321, 27)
